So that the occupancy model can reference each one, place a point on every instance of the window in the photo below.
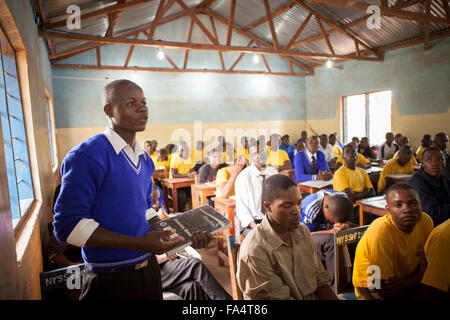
(51, 130)
(14, 137)
(367, 115)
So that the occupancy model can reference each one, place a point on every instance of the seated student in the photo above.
(365, 150)
(188, 278)
(361, 162)
(327, 149)
(248, 186)
(436, 280)
(288, 147)
(403, 142)
(433, 186)
(397, 138)
(304, 137)
(243, 149)
(300, 146)
(387, 149)
(311, 163)
(208, 171)
(355, 141)
(150, 147)
(337, 150)
(441, 142)
(277, 259)
(401, 165)
(171, 150)
(426, 142)
(162, 160)
(325, 213)
(226, 178)
(277, 158)
(182, 167)
(354, 181)
(394, 244)
(197, 155)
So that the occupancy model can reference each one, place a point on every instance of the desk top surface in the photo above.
(225, 201)
(317, 183)
(204, 186)
(399, 176)
(378, 202)
(178, 180)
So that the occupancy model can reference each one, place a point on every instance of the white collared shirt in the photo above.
(328, 151)
(85, 227)
(248, 190)
(309, 156)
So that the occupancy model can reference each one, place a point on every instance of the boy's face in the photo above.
(389, 138)
(404, 156)
(312, 145)
(364, 143)
(405, 208)
(128, 111)
(285, 210)
(258, 157)
(332, 140)
(350, 156)
(324, 141)
(433, 163)
(285, 141)
(304, 135)
(300, 146)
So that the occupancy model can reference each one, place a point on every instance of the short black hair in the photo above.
(273, 185)
(341, 207)
(163, 151)
(430, 149)
(285, 136)
(401, 186)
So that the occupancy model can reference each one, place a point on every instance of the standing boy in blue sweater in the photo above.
(105, 193)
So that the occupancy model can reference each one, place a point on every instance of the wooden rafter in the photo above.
(186, 54)
(414, 41)
(113, 17)
(446, 8)
(272, 28)
(91, 67)
(43, 15)
(267, 64)
(427, 25)
(276, 13)
(357, 49)
(298, 32)
(99, 59)
(230, 21)
(240, 57)
(325, 35)
(130, 52)
(390, 12)
(213, 25)
(158, 15)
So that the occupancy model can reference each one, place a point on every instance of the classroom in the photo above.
(317, 131)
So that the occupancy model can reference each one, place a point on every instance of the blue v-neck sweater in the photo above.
(99, 184)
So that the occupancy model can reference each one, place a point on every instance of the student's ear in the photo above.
(268, 206)
(108, 110)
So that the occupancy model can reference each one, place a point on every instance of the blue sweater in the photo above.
(302, 166)
(99, 184)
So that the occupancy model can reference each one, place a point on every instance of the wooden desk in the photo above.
(378, 164)
(200, 192)
(374, 176)
(314, 186)
(396, 178)
(175, 184)
(375, 205)
(227, 206)
(160, 173)
(289, 173)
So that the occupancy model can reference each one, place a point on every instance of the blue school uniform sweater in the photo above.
(302, 166)
(99, 184)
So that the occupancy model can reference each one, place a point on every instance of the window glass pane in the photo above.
(355, 117)
(380, 116)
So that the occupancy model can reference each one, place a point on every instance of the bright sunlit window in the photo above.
(367, 115)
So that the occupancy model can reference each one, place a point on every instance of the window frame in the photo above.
(52, 130)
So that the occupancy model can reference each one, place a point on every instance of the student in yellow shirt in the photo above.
(182, 167)
(426, 142)
(162, 160)
(150, 147)
(243, 149)
(401, 165)
(361, 162)
(436, 280)
(403, 142)
(336, 149)
(390, 254)
(226, 177)
(277, 158)
(354, 181)
(198, 155)
(171, 149)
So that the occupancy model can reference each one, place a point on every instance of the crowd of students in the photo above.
(287, 251)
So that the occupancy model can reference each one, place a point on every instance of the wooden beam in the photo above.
(239, 58)
(155, 21)
(186, 54)
(325, 35)
(43, 15)
(298, 32)
(414, 41)
(197, 21)
(390, 12)
(130, 52)
(230, 21)
(93, 67)
(99, 59)
(276, 13)
(170, 60)
(384, 3)
(357, 49)
(427, 25)
(217, 37)
(266, 64)
(446, 8)
(272, 28)
(397, 4)
(101, 12)
(113, 17)
(194, 46)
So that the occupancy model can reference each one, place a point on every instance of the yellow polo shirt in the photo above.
(223, 175)
(183, 165)
(413, 159)
(165, 163)
(396, 253)
(419, 152)
(393, 167)
(356, 180)
(241, 151)
(277, 158)
(197, 156)
(361, 159)
(154, 157)
(337, 150)
(437, 252)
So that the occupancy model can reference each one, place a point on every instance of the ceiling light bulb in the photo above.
(329, 63)
(255, 58)
(160, 54)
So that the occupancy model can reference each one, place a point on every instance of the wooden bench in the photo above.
(200, 193)
(227, 207)
(174, 184)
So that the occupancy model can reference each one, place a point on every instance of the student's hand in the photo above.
(252, 225)
(339, 226)
(192, 174)
(157, 206)
(153, 241)
(200, 240)
(237, 167)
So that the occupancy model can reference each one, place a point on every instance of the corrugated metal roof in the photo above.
(393, 29)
